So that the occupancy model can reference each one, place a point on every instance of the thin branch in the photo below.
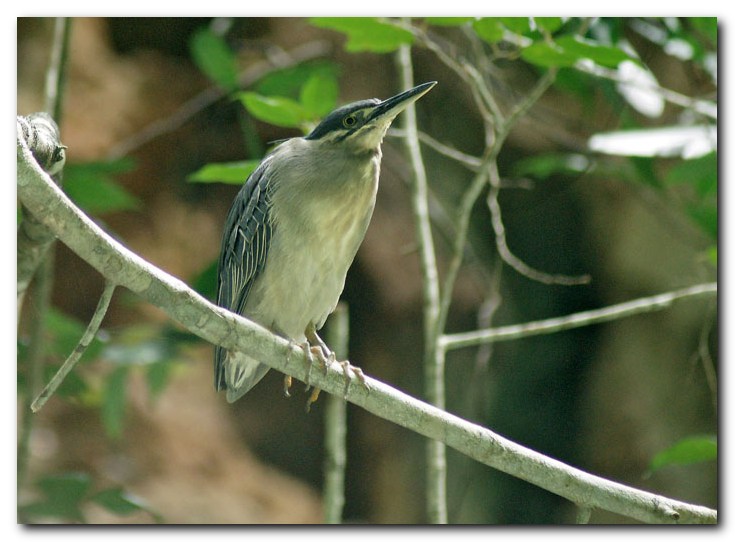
(34, 365)
(219, 326)
(578, 319)
(335, 424)
(87, 338)
(472, 163)
(501, 242)
(584, 513)
(464, 213)
(56, 72)
(433, 358)
(702, 107)
(708, 364)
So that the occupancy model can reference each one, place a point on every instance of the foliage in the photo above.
(212, 55)
(66, 496)
(687, 451)
(92, 186)
(227, 172)
(366, 33)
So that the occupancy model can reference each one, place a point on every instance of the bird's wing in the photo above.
(245, 242)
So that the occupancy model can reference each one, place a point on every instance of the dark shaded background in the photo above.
(604, 398)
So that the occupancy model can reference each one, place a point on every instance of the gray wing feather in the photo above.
(245, 243)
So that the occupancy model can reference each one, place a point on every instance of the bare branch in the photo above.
(335, 424)
(467, 160)
(433, 357)
(578, 319)
(507, 255)
(75, 356)
(219, 326)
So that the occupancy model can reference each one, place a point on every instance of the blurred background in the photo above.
(141, 120)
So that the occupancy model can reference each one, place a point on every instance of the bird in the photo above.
(294, 228)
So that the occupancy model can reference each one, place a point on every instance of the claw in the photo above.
(309, 356)
(312, 398)
(287, 381)
(356, 371)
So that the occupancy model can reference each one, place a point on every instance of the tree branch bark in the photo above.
(119, 265)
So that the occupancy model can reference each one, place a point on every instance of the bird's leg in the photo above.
(315, 347)
(319, 348)
(356, 371)
(312, 398)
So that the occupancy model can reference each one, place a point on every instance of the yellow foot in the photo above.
(287, 381)
(312, 399)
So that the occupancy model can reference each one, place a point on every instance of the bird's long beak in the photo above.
(388, 109)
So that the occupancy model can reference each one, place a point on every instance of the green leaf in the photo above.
(100, 196)
(449, 21)
(707, 26)
(518, 25)
(603, 55)
(700, 172)
(212, 55)
(712, 255)
(705, 215)
(548, 55)
(289, 81)
(206, 281)
(118, 501)
(224, 172)
(366, 34)
(687, 451)
(319, 95)
(157, 376)
(490, 29)
(275, 110)
(92, 186)
(62, 497)
(549, 24)
(113, 401)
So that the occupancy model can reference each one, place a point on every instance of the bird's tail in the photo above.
(236, 373)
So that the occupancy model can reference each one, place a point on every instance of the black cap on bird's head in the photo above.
(366, 121)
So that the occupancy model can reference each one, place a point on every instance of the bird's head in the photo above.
(361, 126)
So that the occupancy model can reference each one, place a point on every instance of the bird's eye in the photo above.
(349, 121)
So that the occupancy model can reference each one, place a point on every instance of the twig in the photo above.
(708, 365)
(35, 358)
(578, 319)
(219, 326)
(467, 160)
(84, 342)
(56, 72)
(335, 424)
(702, 107)
(433, 358)
(467, 203)
(584, 513)
(501, 242)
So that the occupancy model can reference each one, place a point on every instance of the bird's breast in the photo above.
(314, 242)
